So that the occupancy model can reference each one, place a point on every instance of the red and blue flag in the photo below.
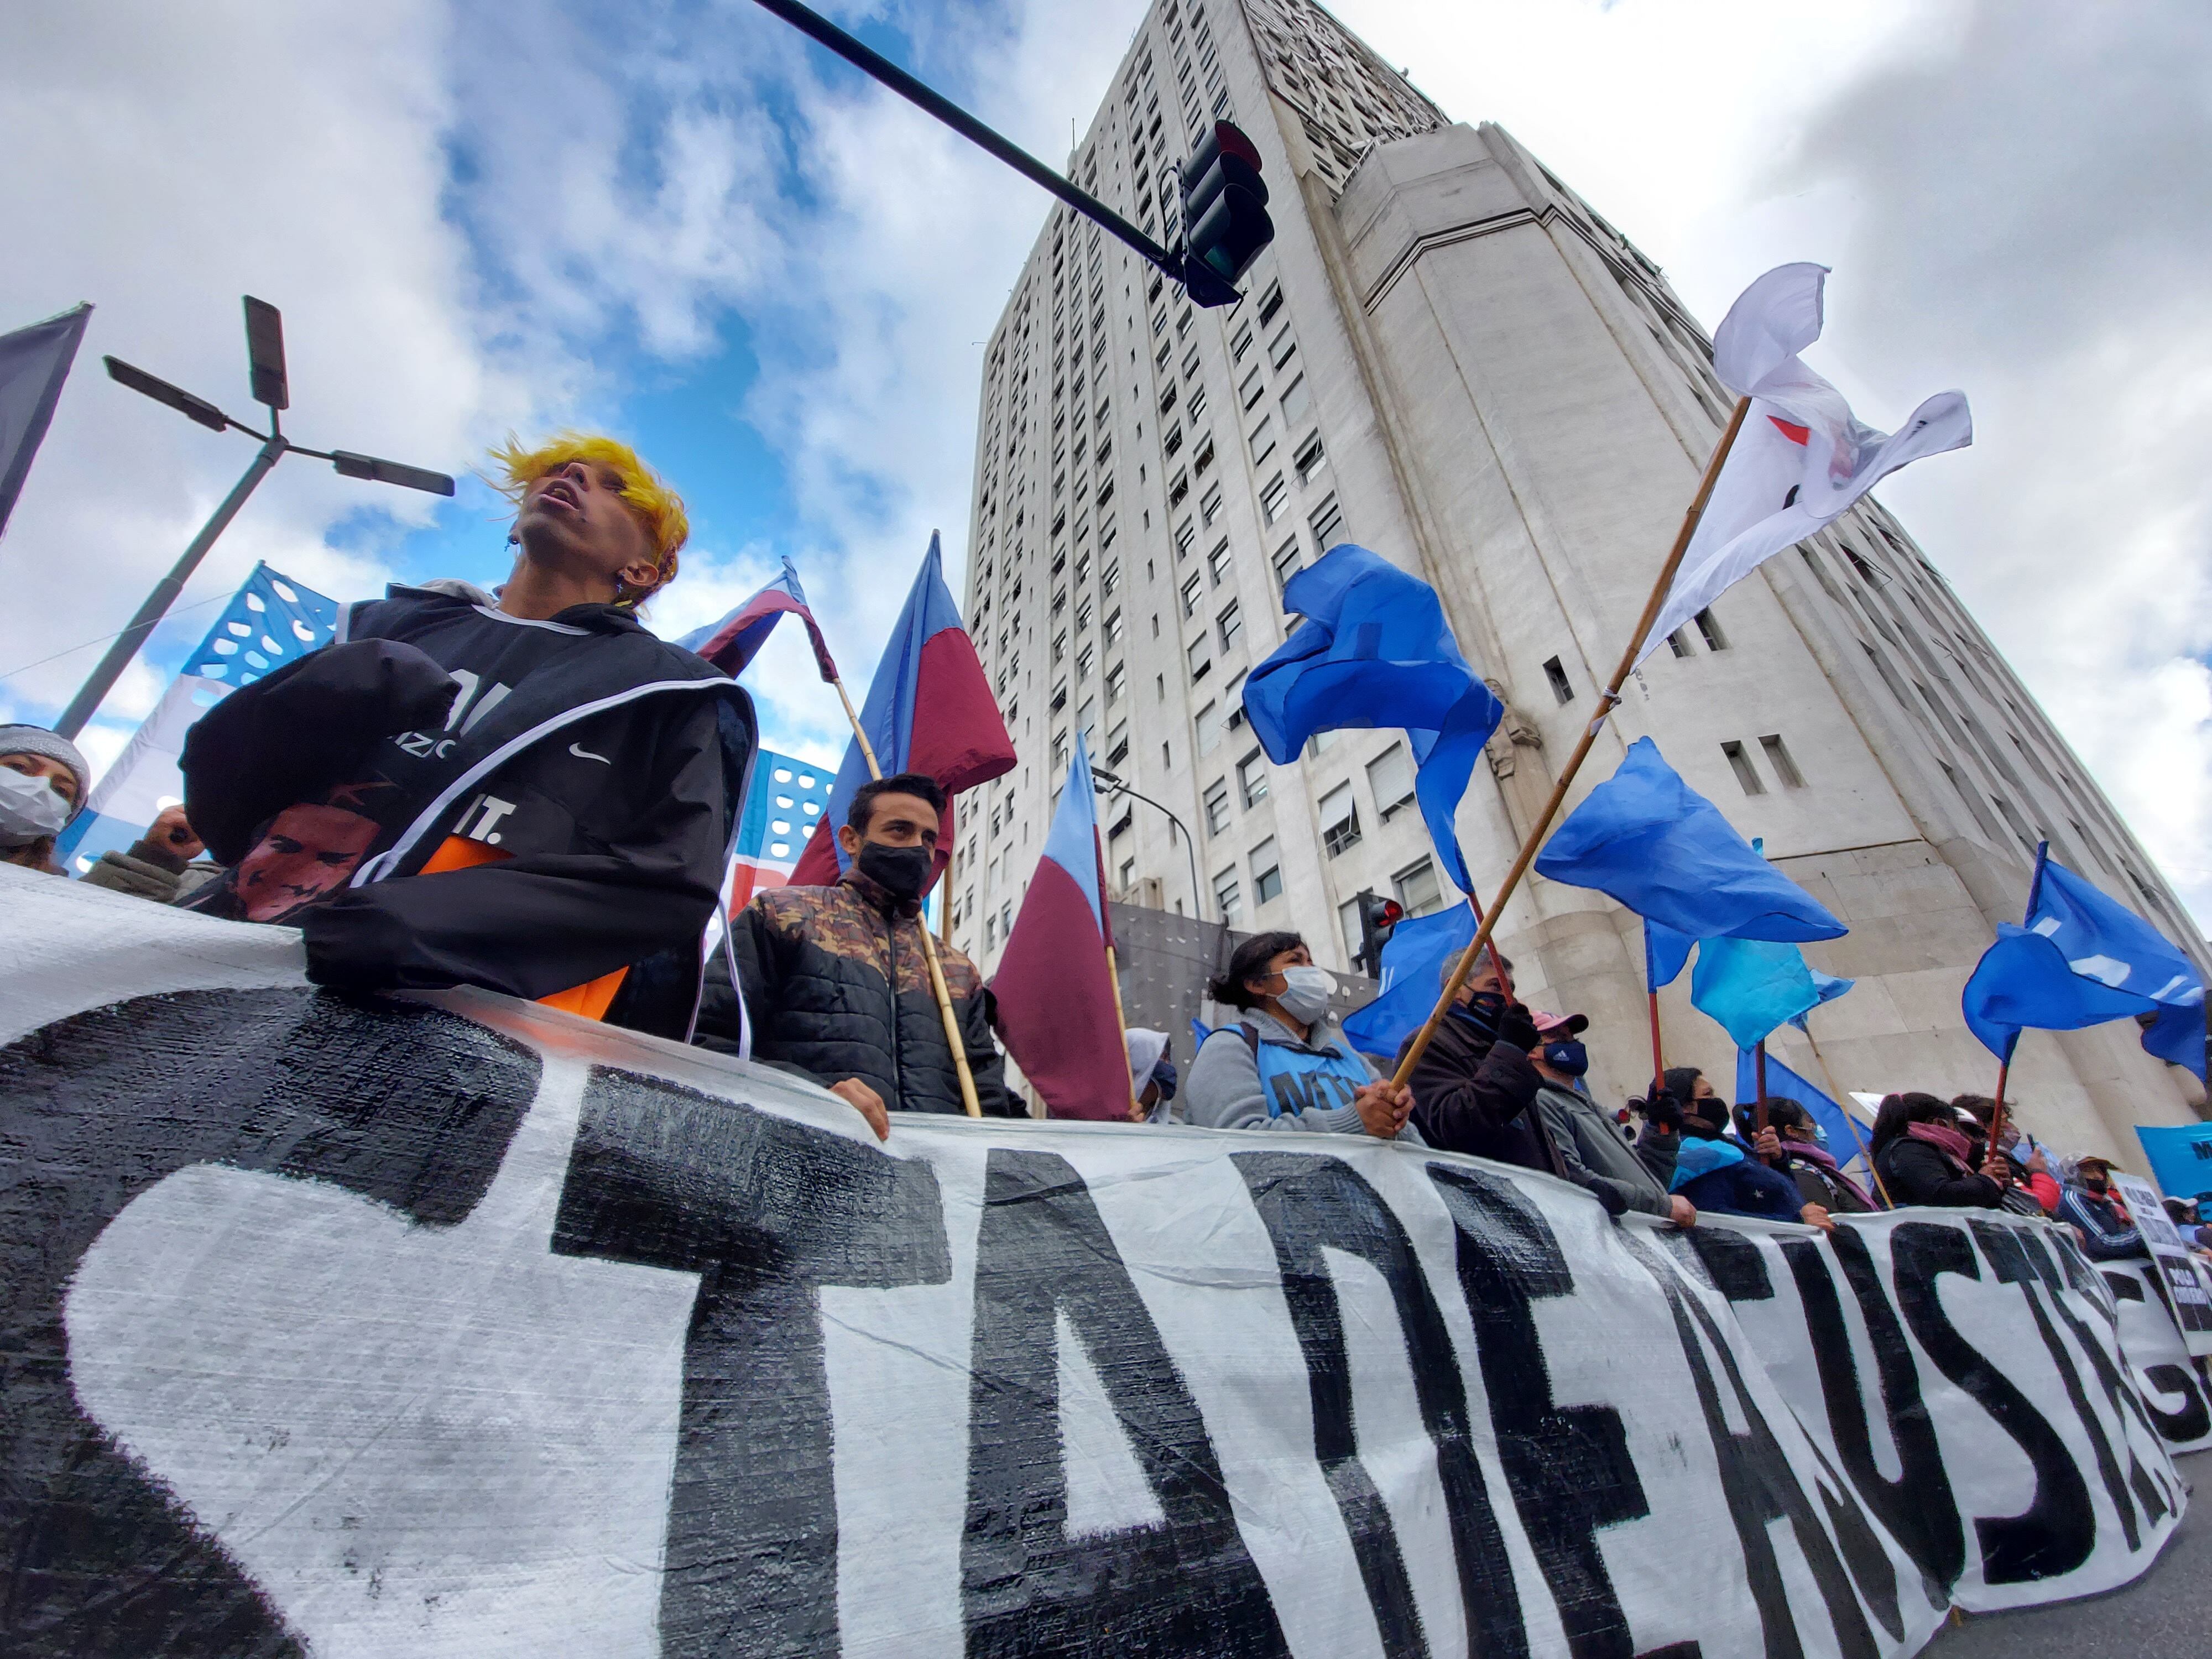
(1054, 994)
(733, 642)
(930, 710)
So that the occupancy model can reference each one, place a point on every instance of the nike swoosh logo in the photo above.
(586, 754)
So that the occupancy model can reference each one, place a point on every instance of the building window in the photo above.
(1282, 348)
(1193, 585)
(1267, 872)
(1417, 888)
(1109, 578)
(1199, 657)
(1059, 750)
(1328, 520)
(1059, 646)
(1083, 615)
(1172, 442)
(1263, 438)
(1255, 385)
(1083, 660)
(1209, 730)
(1555, 675)
(1252, 777)
(1117, 743)
(1745, 772)
(1715, 639)
(1298, 403)
(1777, 756)
(1241, 344)
(1178, 489)
(1226, 897)
(1118, 681)
(1216, 804)
(1390, 779)
(1678, 642)
(1274, 495)
(1309, 460)
(1209, 508)
(1201, 454)
(1231, 623)
(1112, 631)
(1271, 304)
(1288, 559)
(1340, 820)
(1197, 409)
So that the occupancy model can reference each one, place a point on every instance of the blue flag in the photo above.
(1375, 650)
(1750, 986)
(1665, 954)
(1648, 840)
(33, 363)
(2083, 959)
(1412, 963)
(1845, 1142)
(2180, 1159)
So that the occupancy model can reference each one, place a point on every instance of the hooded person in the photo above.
(44, 780)
(2099, 1220)
(2033, 1190)
(528, 792)
(1659, 1142)
(1589, 1143)
(1474, 1091)
(1286, 1065)
(1925, 1158)
(1151, 1076)
(1715, 1172)
(1793, 1143)
(832, 982)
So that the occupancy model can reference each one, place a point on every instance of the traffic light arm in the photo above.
(827, 33)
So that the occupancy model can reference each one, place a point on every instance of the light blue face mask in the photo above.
(1819, 1136)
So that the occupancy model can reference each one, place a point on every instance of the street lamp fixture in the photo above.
(264, 354)
(1108, 783)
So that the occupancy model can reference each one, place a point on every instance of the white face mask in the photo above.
(31, 809)
(1304, 996)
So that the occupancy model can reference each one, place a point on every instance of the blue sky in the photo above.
(678, 220)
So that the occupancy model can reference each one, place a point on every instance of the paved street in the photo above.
(2167, 1611)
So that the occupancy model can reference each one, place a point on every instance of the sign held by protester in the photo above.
(2186, 1296)
(453, 1324)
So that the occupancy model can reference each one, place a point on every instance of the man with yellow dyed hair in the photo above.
(527, 791)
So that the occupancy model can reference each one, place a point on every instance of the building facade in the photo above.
(1447, 357)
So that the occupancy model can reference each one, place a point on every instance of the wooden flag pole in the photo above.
(952, 1037)
(1836, 1094)
(1658, 1062)
(2004, 1061)
(1121, 1027)
(1527, 855)
(1759, 1084)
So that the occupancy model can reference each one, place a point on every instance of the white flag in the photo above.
(1801, 458)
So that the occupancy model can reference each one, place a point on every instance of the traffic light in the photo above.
(1377, 916)
(1225, 214)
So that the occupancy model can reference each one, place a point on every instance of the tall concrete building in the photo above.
(1449, 357)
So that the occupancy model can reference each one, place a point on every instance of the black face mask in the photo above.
(902, 871)
(1482, 1011)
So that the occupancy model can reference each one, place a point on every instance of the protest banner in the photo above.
(2187, 1297)
(2176, 1385)
(449, 1324)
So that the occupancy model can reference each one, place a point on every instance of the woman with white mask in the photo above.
(1286, 1065)
(43, 781)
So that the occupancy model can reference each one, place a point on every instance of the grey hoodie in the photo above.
(1596, 1157)
(1224, 1092)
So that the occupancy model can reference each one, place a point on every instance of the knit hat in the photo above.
(37, 740)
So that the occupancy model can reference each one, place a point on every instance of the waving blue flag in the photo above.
(1412, 963)
(1751, 986)
(1847, 1136)
(1375, 651)
(1665, 954)
(2082, 959)
(1648, 840)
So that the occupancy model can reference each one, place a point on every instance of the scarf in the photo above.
(1944, 1139)
(1702, 1158)
(1824, 1161)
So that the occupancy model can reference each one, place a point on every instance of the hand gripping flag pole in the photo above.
(1527, 855)
(2004, 1060)
(937, 985)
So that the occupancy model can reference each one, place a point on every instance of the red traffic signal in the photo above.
(1377, 917)
(1225, 214)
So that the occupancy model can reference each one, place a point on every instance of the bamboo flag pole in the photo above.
(952, 1037)
(1527, 855)
(1759, 1084)
(944, 891)
(1121, 1027)
(1849, 1122)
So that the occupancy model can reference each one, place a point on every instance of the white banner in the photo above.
(451, 1326)
(2181, 1276)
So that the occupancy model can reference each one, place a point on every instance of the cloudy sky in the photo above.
(681, 222)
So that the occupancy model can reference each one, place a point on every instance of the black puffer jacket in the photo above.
(837, 986)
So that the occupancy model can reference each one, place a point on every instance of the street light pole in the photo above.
(102, 681)
(1107, 784)
(265, 351)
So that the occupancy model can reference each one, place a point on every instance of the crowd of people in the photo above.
(527, 790)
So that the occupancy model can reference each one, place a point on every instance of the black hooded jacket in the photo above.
(575, 781)
(1476, 1094)
(837, 986)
